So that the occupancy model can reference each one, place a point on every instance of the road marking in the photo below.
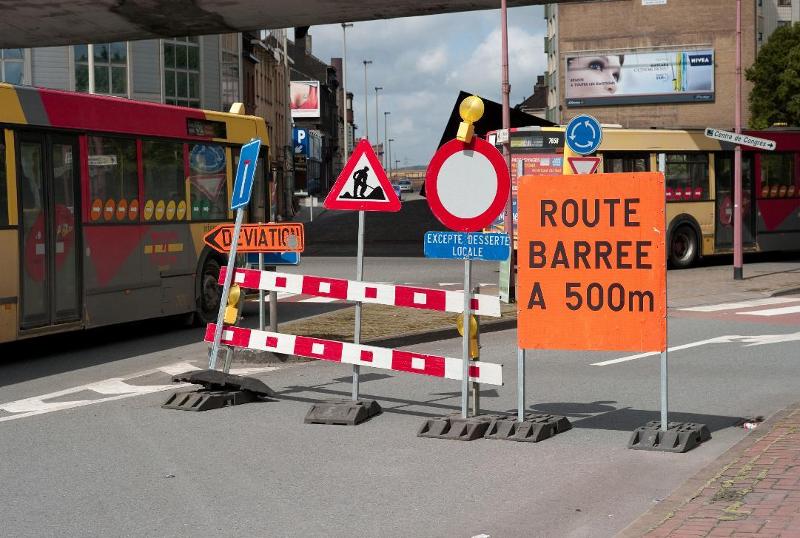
(772, 311)
(743, 304)
(115, 388)
(755, 340)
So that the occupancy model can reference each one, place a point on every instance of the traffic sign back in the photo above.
(363, 185)
(245, 174)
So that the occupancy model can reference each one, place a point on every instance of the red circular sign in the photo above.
(467, 184)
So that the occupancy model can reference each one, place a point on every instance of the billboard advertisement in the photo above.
(304, 99)
(629, 78)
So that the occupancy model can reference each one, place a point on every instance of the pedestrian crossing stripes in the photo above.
(781, 310)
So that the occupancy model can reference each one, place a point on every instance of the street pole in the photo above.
(366, 108)
(737, 155)
(465, 356)
(390, 156)
(508, 217)
(345, 26)
(377, 122)
(386, 137)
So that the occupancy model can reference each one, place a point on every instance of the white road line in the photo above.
(772, 311)
(743, 304)
(754, 340)
(116, 388)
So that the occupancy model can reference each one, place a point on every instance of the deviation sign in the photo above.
(285, 237)
(592, 271)
(743, 139)
(467, 246)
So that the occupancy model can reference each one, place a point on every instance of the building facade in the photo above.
(673, 41)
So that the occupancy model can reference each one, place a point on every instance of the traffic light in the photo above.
(474, 329)
(234, 308)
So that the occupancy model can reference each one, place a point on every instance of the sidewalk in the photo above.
(753, 490)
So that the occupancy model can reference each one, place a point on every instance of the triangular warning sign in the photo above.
(583, 165)
(363, 185)
(209, 185)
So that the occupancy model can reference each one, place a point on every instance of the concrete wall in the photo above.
(628, 25)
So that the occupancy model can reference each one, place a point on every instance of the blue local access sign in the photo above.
(245, 174)
(275, 258)
(467, 246)
(584, 134)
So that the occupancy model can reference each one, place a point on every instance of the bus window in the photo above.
(207, 182)
(633, 162)
(113, 180)
(777, 175)
(686, 175)
(163, 180)
(3, 184)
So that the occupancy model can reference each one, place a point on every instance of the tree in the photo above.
(776, 80)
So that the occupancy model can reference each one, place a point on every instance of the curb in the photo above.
(694, 485)
(786, 291)
(435, 335)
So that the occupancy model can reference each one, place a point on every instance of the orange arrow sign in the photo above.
(285, 237)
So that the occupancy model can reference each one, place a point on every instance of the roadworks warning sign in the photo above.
(592, 263)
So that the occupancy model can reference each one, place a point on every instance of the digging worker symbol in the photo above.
(360, 180)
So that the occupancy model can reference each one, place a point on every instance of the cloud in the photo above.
(422, 63)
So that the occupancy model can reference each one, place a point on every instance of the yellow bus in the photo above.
(104, 203)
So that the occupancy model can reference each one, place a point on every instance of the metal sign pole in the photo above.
(261, 308)
(359, 278)
(520, 385)
(465, 339)
(223, 301)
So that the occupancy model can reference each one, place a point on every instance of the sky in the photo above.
(423, 62)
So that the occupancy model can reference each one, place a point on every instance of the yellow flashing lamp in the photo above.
(470, 110)
(234, 305)
(474, 347)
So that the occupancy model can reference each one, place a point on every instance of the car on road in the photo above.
(405, 186)
(398, 191)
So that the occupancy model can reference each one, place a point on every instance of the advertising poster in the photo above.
(304, 99)
(625, 78)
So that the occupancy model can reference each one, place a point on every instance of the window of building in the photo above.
(110, 68)
(785, 3)
(12, 66)
(3, 184)
(164, 192)
(229, 70)
(781, 24)
(113, 180)
(208, 182)
(686, 175)
(777, 175)
(182, 72)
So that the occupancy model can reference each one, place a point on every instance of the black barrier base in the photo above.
(455, 427)
(679, 437)
(343, 412)
(219, 390)
(536, 427)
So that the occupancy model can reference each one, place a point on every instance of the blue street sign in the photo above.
(584, 134)
(245, 174)
(467, 246)
(275, 258)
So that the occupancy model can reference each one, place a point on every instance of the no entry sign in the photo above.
(467, 184)
(592, 264)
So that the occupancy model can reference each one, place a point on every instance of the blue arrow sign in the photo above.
(467, 246)
(245, 174)
(275, 258)
(584, 134)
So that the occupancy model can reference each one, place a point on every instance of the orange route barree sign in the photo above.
(286, 237)
(592, 264)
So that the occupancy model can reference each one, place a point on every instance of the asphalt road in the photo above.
(117, 464)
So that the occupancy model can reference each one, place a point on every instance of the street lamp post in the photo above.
(386, 138)
(389, 156)
(346, 129)
(366, 111)
(377, 124)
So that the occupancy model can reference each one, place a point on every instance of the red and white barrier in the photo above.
(376, 357)
(365, 292)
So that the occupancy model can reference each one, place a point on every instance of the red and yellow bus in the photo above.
(699, 183)
(103, 206)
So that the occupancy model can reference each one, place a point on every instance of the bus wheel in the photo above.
(210, 292)
(683, 247)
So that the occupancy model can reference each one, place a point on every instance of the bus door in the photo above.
(723, 229)
(626, 162)
(47, 179)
